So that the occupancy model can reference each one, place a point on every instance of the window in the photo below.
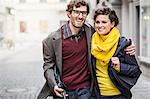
(145, 30)
(43, 26)
(22, 1)
(63, 0)
(43, 1)
(1, 26)
(97, 1)
(23, 26)
(1, 32)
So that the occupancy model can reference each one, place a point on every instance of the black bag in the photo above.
(124, 82)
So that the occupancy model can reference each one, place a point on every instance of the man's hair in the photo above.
(107, 11)
(77, 4)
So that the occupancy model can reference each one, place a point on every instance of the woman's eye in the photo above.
(97, 22)
(104, 22)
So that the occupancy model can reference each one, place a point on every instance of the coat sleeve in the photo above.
(49, 62)
(129, 65)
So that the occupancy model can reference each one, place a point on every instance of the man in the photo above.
(67, 57)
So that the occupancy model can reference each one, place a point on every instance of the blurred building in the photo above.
(34, 16)
(21, 18)
(145, 35)
(6, 18)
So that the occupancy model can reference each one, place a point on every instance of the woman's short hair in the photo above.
(107, 11)
(77, 3)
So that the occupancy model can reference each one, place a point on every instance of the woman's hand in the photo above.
(115, 63)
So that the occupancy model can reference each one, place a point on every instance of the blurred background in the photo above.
(25, 23)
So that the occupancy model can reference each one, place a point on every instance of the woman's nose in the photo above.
(100, 24)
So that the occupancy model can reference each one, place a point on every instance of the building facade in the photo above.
(38, 16)
(144, 35)
(7, 29)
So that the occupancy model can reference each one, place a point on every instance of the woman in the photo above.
(112, 63)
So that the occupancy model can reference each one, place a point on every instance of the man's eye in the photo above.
(77, 12)
(84, 12)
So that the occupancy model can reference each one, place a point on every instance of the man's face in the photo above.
(78, 16)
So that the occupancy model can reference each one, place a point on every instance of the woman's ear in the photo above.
(112, 24)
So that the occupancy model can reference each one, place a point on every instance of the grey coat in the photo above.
(52, 55)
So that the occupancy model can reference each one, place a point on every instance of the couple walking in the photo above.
(81, 63)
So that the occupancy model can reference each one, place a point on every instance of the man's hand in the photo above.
(130, 49)
(58, 91)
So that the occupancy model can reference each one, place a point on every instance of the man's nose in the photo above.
(81, 15)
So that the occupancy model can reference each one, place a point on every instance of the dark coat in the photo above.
(52, 53)
(129, 70)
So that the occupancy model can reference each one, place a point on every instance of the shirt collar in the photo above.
(67, 32)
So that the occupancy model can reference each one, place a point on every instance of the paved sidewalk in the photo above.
(6, 52)
(19, 93)
(142, 89)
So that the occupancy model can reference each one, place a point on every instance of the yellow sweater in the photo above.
(103, 48)
(106, 86)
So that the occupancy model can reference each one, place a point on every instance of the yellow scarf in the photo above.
(104, 46)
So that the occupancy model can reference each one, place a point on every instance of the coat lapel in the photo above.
(88, 36)
(57, 38)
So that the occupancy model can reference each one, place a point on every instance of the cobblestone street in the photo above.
(140, 91)
(21, 71)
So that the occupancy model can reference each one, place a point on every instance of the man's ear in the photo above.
(68, 14)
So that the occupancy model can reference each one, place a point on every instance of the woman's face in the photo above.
(103, 24)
